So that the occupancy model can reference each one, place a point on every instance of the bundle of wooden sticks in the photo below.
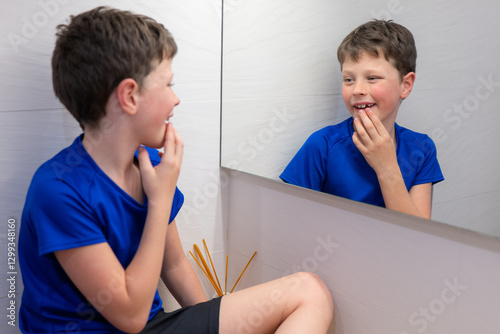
(214, 280)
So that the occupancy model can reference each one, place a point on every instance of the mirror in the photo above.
(281, 82)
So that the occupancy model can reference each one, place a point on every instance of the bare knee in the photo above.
(313, 290)
(308, 281)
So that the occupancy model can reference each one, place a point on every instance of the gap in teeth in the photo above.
(362, 106)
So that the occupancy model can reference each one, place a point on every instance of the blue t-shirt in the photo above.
(330, 162)
(72, 203)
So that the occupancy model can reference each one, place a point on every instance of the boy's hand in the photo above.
(375, 143)
(159, 182)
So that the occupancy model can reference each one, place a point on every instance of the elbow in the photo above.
(134, 324)
(137, 326)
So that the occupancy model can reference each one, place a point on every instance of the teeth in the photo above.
(166, 121)
(363, 106)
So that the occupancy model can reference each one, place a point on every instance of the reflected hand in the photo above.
(375, 143)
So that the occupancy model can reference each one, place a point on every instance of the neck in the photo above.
(391, 129)
(115, 157)
(108, 150)
(111, 150)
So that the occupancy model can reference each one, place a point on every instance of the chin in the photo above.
(157, 144)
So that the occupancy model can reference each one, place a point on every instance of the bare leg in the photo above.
(299, 303)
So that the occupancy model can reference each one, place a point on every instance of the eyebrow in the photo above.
(344, 72)
(370, 71)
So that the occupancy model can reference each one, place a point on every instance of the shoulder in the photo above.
(67, 172)
(417, 157)
(333, 134)
(414, 141)
(60, 190)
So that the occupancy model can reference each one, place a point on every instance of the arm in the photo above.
(376, 145)
(178, 274)
(416, 202)
(124, 295)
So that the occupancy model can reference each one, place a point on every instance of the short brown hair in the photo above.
(100, 48)
(393, 40)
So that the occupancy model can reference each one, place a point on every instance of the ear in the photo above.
(127, 95)
(407, 84)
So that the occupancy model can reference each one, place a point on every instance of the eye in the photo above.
(372, 78)
(347, 80)
(170, 84)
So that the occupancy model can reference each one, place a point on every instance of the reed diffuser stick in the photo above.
(225, 281)
(207, 269)
(219, 293)
(213, 268)
(202, 259)
(201, 267)
(243, 272)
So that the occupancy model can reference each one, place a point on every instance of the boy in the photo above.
(368, 157)
(98, 227)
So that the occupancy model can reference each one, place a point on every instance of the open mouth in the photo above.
(168, 119)
(364, 106)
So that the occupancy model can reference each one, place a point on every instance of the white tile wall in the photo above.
(388, 273)
(282, 54)
(34, 126)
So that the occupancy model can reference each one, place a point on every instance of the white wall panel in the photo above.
(388, 273)
(34, 126)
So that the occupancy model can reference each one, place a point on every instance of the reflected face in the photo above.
(372, 83)
(157, 104)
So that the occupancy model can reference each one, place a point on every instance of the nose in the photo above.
(359, 88)
(176, 100)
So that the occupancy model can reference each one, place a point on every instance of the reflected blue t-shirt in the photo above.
(330, 162)
(72, 203)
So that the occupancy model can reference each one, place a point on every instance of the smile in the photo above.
(363, 106)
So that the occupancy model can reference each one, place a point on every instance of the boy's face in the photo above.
(157, 102)
(374, 83)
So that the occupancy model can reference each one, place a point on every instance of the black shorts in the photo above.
(197, 319)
